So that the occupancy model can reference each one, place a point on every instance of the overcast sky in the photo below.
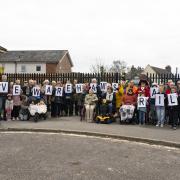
(139, 32)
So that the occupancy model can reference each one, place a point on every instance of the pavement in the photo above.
(49, 156)
(146, 134)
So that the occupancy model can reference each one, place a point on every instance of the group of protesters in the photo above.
(158, 104)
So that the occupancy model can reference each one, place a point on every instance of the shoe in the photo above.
(174, 128)
(162, 125)
(17, 119)
(13, 119)
(157, 125)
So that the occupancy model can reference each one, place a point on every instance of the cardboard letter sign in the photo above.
(159, 100)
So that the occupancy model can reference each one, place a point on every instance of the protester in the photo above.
(9, 107)
(160, 108)
(90, 104)
(16, 103)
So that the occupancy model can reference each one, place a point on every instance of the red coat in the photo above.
(145, 91)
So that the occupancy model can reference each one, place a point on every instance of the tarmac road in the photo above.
(41, 156)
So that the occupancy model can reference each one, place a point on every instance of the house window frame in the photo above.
(23, 69)
(38, 66)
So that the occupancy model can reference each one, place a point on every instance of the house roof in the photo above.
(48, 56)
(160, 70)
(2, 49)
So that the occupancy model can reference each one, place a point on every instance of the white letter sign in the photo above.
(36, 91)
(154, 91)
(79, 88)
(48, 90)
(141, 101)
(16, 90)
(103, 86)
(68, 88)
(172, 99)
(159, 100)
(3, 87)
(94, 87)
(114, 86)
(59, 91)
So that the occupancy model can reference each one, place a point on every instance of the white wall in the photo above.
(30, 67)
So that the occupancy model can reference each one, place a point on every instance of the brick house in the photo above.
(36, 61)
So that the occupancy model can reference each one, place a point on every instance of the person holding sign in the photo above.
(59, 99)
(152, 113)
(143, 93)
(16, 100)
(68, 99)
(173, 101)
(76, 89)
(108, 102)
(90, 104)
(142, 103)
(3, 95)
(160, 106)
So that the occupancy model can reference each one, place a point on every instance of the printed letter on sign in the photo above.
(68, 88)
(172, 99)
(59, 91)
(36, 91)
(3, 87)
(48, 90)
(16, 90)
(159, 100)
(114, 86)
(141, 101)
(94, 87)
(79, 88)
(103, 86)
(154, 91)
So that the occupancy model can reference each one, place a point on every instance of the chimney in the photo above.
(168, 68)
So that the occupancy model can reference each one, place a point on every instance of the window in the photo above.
(38, 68)
(23, 68)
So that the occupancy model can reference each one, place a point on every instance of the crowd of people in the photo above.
(138, 104)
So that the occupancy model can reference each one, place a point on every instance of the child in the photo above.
(142, 110)
(9, 106)
(23, 113)
(17, 104)
(160, 109)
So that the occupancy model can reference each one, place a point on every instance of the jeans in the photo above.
(160, 112)
(142, 115)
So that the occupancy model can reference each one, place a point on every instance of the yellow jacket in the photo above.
(119, 96)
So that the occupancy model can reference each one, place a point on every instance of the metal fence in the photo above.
(81, 77)
(86, 77)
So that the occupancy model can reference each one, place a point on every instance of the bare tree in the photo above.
(118, 66)
(98, 67)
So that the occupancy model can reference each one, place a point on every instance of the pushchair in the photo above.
(126, 113)
(38, 111)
